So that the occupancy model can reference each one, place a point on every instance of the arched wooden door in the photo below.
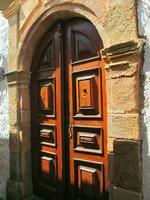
(68, 107)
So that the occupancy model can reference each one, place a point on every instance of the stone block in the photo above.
(123, 69)
(25, 136)
(20, 138)
(13, 118)
(121, 26)
(121, 194)
(15, 166)
(124, 126)
(13, 98)
(127, 165)
(11, 191)
(17, 190)
(125, 95)
(15, 142)
(24, 97)
(20, 165)
(26, 165)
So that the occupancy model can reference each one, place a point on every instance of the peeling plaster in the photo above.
(144, 31)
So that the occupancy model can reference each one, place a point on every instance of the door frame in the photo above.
(63, 35)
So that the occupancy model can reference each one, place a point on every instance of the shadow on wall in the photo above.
(4, 139)
(146, 136)
(4, 166)
(125, 170)
(144, 30)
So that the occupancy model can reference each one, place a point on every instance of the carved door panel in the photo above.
(68, 114)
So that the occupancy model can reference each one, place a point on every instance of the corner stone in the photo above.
(127, 168)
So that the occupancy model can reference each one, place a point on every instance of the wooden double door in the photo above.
(68, 112)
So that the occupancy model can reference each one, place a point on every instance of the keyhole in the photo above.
(84, 91)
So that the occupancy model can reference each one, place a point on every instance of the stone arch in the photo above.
(46, 19)
(29, 39)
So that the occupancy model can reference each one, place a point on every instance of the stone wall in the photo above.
(144, 30)
(4, 134)
(116, 22)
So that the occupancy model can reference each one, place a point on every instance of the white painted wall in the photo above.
(144, 30)
(4, 134)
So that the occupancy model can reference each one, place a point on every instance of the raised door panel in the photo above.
(48, 135)
(47, 97)
(89, 180)
(47, 57)
(48, 171)
(87, 86)
(45, 94)
(88, 139)
(85, 41)
(83, 47)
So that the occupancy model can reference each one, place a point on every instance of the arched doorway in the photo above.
(68, 113)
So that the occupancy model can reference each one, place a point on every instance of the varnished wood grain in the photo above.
(69, 121)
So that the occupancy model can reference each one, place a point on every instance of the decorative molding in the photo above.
(121, 50)
(18, 77)
(13, 8)
(118, 64)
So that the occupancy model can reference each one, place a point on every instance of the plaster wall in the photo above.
(144, 30)
(4, 133)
